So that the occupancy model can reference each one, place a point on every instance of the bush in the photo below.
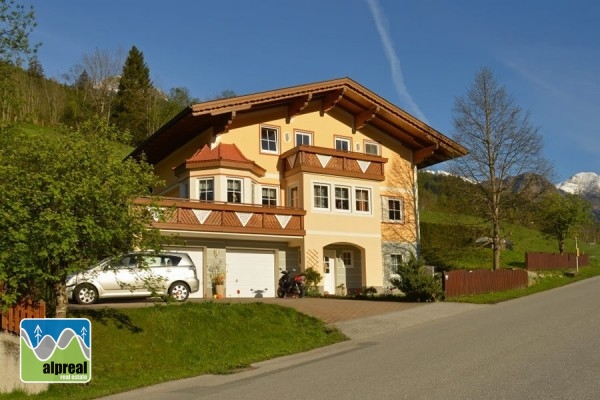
(313, 278)
(416, 282)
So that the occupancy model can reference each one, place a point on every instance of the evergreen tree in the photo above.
(134, 97)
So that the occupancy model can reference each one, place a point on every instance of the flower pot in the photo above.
(220, 291)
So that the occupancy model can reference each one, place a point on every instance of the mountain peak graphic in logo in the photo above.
(56, 350)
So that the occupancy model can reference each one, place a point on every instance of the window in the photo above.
(294, 202)
(362, 198)
(303, 138)
(346, 257)
(269, 138)
(372, 148)
(342, 198)
(184, 190)
(342, 144)
(269, 196)
(321, 198)
(392, 209)
(234, 191)
(395, 261)
(206, 189)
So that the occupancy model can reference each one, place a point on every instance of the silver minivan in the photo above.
(136, 275)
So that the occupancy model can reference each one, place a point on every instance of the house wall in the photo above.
(215, 252)
(366, 233)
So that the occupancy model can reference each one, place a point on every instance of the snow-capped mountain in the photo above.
(583, 183)
(587, 185)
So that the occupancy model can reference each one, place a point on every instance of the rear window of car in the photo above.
(150, 261)
(161, 261)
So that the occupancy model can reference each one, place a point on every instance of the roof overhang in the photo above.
(428, 145)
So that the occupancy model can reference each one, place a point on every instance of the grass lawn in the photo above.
(138, 347)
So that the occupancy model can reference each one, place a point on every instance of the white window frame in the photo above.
(348, 198)
(349, 257)
(302, 134)
(327, 197)
(200, 191)
(265, 139)
(356, 200)
(396, 259)
(386, 209)
(241, 191)
(345, 140)
(272, 189)
(377, 148)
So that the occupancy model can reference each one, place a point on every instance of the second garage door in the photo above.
(250, 273)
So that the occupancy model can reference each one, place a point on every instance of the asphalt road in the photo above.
(545, 346)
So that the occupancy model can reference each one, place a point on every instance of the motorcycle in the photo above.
(289, 286)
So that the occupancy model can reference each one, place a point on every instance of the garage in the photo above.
(250, 273)
(197, 256)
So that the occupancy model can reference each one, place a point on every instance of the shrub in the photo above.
(416, 282)
(313, 278)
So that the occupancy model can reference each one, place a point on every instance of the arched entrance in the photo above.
(343, 267)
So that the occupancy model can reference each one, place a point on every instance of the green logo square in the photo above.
(56, 350)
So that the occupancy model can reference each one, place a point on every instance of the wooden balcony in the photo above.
(252, 219)
(321, 160)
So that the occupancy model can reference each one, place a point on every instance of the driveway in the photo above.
(357, 319)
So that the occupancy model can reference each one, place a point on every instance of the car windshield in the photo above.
(101, 263)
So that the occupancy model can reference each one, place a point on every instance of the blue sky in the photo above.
(418, 54)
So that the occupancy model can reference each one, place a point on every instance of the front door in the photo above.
(329, 271)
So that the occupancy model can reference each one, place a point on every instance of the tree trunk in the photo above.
(62, 302)
(561, 246)
(496, 245)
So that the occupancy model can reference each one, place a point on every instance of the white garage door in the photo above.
(250, 273)
(197, 256)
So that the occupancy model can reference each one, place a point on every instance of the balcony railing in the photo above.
(321, 160)
(199, 216)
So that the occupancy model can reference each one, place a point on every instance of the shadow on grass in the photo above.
(517, 264)
(106, 315)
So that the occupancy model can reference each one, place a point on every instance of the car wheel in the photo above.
(179, 291)
(85, 293)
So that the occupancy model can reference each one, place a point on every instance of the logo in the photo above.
(56, 350)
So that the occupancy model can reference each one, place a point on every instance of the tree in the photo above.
(168, 106)
(418, 284)
(100, 70)
(503, 145)
(134, 97)
(66, 203)
(16, 23)
(561, 216)
(225, 94)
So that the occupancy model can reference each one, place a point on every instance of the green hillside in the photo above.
(448, 237)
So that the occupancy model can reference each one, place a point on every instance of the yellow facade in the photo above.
(353, 181)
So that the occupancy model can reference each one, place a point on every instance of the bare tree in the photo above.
(102, 70)
(505, 152)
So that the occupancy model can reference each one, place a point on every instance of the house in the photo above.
(321, 175)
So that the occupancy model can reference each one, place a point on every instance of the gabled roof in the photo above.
(223, 155)
(429, 146)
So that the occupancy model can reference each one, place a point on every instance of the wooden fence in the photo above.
(538, 261)
(11, 319)
(463, 282)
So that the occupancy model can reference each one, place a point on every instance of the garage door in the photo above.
(197, 256)
(250, 273)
